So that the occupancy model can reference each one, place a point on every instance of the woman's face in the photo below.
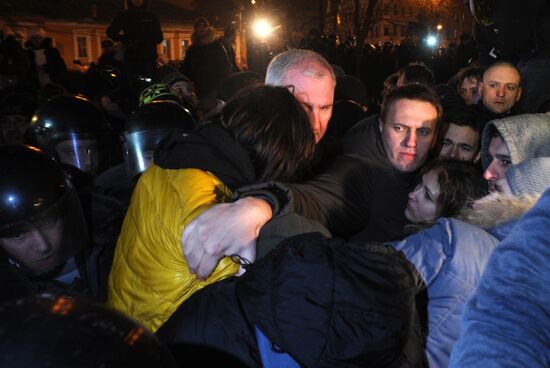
(422, 200)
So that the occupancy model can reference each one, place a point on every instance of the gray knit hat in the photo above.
(526, 136)
(531, 177)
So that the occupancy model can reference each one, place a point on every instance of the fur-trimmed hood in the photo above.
(498, 209)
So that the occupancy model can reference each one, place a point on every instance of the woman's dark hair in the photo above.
(272, 125)
(460, 183)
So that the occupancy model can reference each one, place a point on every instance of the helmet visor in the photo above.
(79, 151)
(139, 148)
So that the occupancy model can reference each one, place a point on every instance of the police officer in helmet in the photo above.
(143, 131)
(74, 131)
(44, 243)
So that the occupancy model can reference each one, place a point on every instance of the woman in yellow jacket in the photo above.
(261, 134)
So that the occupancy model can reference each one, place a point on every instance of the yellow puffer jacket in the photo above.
(149, 278)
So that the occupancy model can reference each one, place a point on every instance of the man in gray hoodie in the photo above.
(511, 140)
(506, 322)
(451, 255)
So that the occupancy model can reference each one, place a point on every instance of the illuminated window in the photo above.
(165, 48)
(81, 47)
(184, 47)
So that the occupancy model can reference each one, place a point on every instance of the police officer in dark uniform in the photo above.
(74, 131)
(143, 131)
(44, 242)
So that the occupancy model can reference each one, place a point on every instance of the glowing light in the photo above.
(134, 335)
(439, 27)
(63, 305)
(12, 200)
(34, 148)
(431, 41)
(262, 28)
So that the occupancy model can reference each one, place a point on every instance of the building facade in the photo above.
(396, 20)
(78, 28)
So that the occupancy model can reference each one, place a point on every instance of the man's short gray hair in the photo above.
(310, 63)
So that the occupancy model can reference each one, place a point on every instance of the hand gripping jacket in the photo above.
(150, 278)
(192, 172)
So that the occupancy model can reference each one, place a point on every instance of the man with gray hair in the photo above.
(312, 82)
(365, 191)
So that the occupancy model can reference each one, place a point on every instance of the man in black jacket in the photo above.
(343, 304)
(207, 64)
(366, 191)
(139, 31)
(500, 90)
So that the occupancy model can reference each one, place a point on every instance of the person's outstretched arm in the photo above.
(236, 227)
(338, 199)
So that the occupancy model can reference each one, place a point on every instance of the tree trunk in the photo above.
(322, 14)
(362, 26)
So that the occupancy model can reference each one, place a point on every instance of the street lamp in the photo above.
(262, 28)
(431, 41)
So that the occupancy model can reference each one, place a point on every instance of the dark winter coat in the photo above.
(139, 30)
(359, 191)
(324, 302)
(207, 64)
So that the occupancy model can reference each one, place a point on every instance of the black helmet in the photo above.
(35, 195)
(73, 130)
(62, 331)
(146, 126)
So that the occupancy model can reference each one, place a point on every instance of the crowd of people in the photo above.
(275, 219)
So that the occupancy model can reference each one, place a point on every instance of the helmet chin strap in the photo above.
(42, 276)
(67, 266)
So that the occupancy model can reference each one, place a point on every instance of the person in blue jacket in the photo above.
(507, 321)
(451, 255)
